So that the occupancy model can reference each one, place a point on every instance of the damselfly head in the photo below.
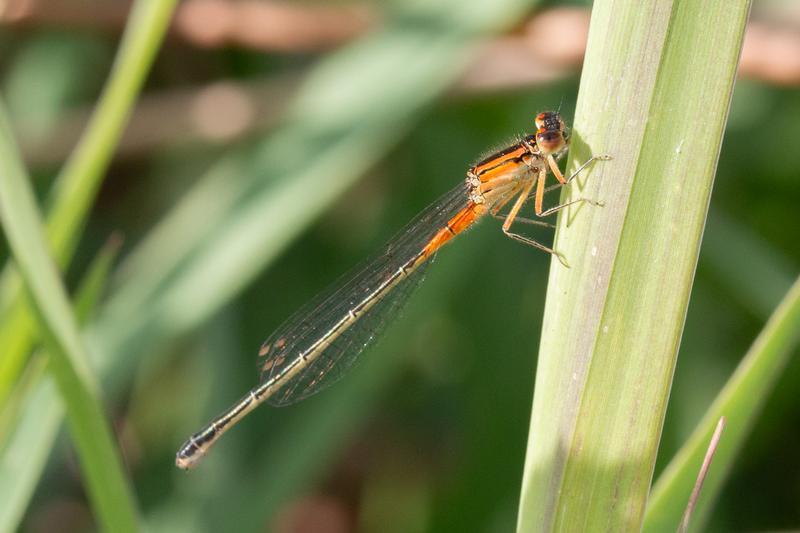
(551, 132)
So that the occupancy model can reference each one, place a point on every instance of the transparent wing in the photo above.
(343, 352)
(319, 317)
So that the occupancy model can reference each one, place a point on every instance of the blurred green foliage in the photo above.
(428, 434)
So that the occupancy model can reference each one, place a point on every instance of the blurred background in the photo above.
(251, 176)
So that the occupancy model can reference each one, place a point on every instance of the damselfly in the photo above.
(319, 343)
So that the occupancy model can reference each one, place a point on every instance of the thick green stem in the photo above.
(613, 322)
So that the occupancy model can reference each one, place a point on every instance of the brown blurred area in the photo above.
(547, 47)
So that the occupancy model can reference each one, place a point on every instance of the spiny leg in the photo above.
(500, 205)
(551, 162)
(601, 157)
(535, 244)
(521, 199)
(495, 212)
(559, 207)
(546, 212)
(540, 190)
(562, 181)
(526, 195)
(524, 220)
(548, 189)
(512, 216)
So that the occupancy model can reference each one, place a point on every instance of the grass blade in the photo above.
(107, 485)
(87, 298)
(80, 179)
(25, 453)
(26, 448)
(740, 401)
(613, 322)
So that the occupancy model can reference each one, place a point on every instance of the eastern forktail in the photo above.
(314, 347)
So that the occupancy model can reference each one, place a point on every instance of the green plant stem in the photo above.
(25, 452)
(613, 321)
(80, 179)
(107, 485)
(78, 182)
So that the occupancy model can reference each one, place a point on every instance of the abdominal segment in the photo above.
(457, 224)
